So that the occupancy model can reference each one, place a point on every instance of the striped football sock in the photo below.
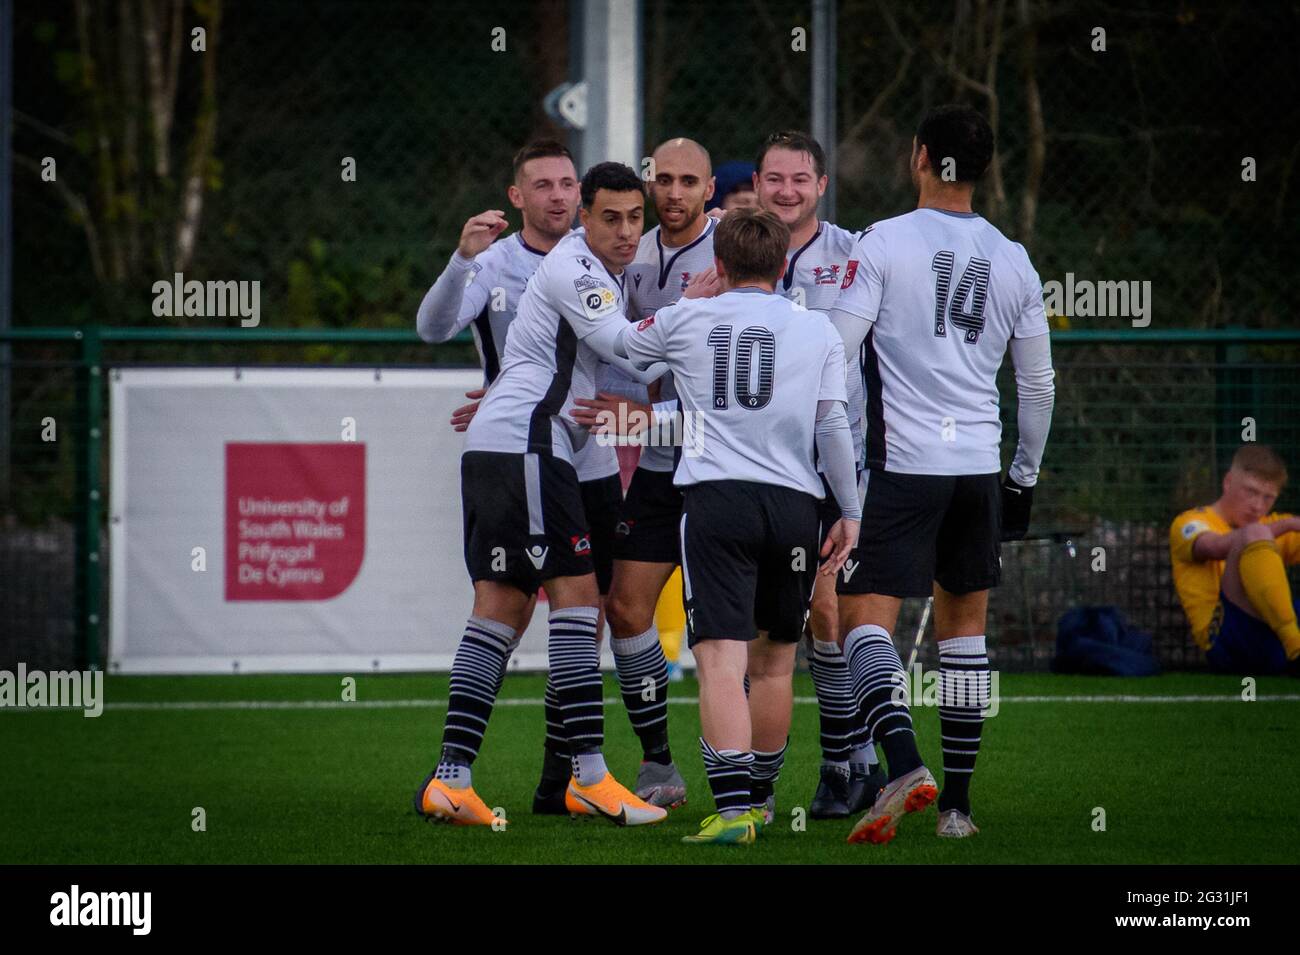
(763, 774)
(728, 771)
(836, 705)
(963, 698)
(881, 688)
(643, 678)
(476, 675)
(556, 766)
(575, 672)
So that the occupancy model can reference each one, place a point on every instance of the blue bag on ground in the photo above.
(1099, 641)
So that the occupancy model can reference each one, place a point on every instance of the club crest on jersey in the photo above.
(645, 323)
(850, 273)
(686, 280)
(826, 274)
(581, 545)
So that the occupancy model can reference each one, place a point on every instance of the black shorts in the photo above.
(524, 520)
(828, 509)
(652, 514)
(602, 499)
(749, 559)
(918, 529)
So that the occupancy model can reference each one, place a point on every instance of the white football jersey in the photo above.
(944, 293)
(657, 277)
(544, 364)
(750, 368)
(812, 278)
(493, 287)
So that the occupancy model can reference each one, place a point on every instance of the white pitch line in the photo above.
(167, 705)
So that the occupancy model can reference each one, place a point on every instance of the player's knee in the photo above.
(776, 664)
(627, 617)
(823, 619)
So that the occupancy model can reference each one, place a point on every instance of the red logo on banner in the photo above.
(850, 271)
(295, 519)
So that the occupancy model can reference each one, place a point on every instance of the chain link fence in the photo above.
(1119, 163)
(1146, 142)
(1142, 430)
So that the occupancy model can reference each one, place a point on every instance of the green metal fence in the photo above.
(1145, 422)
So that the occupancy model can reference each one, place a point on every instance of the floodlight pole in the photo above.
(823, 95)
(611, 68)
(6, 229)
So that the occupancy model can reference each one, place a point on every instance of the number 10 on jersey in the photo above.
(753, 339)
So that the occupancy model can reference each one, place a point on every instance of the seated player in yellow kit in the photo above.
(1230, 570)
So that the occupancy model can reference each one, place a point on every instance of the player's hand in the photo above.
(704, 284)
(612, 414)
(480, 232)
(462, 416)
(1016, 501)
(841, 540)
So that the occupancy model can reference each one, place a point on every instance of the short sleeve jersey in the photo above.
(750, 368)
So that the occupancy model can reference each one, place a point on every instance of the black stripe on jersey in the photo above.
(487, 347)
(659, 241)
(794, 259)
(552, 403)
(875, 402)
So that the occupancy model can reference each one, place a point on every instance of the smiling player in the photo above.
(789, 181)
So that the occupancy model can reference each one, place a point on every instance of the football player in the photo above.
(480, 289)
(933, 299)
(524, 520)
(673, 260)
(762, 386)
(789, 180)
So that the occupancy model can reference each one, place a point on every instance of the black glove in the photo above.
(1016, 501)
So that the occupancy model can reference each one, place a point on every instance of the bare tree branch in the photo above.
(93, 83)
(43, 128)
(1036, 152)
(80, 212)
(201, 145)
(160, 113)
(128, 101)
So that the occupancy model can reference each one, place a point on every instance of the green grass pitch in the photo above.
(1180, 782)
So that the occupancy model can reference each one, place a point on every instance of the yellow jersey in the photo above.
(1197, 582)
